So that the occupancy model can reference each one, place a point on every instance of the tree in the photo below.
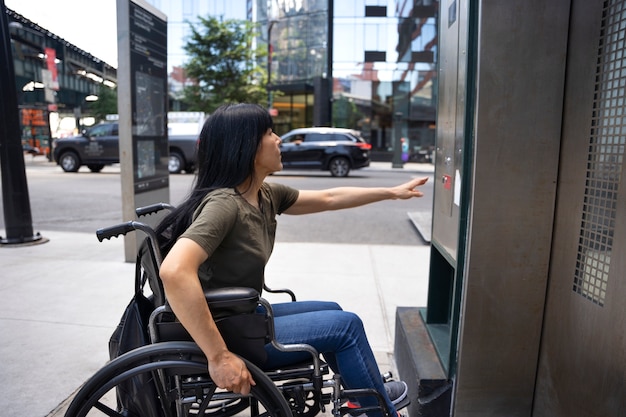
(224, 65)
(345, 113)
(106, 103)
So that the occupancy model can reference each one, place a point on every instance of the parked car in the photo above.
(325, 148)
(98, 146)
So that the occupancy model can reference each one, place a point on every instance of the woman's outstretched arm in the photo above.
(314, 201)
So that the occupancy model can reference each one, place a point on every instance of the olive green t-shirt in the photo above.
(237, 236)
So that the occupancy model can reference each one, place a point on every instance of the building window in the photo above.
(375, 11)
(375, 56)
(423, 56)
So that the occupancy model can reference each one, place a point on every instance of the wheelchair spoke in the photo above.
(107, 410)
(166, 379)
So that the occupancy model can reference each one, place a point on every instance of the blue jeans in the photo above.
(338, 335)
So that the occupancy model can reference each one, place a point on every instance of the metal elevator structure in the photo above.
(526, 313)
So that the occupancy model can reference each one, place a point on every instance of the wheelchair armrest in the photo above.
(223, 302)
(234, 310)
(231, 300)
(245, 331)
(279, 291)
(296, 347)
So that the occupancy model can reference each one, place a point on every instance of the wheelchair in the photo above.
(166, 374)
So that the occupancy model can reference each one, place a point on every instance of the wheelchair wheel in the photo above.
(170, 379)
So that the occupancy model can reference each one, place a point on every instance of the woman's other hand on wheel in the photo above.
(229, 372)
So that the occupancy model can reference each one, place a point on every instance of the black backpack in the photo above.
(137, 396)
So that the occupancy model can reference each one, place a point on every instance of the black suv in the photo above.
(325, 148)
(99, 146)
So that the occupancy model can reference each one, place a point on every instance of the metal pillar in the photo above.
(15, 200)
(397, 141)
(270, 25)
(329, 59)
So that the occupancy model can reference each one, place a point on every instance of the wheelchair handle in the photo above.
(153, 208)
(115, 231)
(124, 228)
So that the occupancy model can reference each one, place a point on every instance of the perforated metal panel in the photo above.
(582, 364)
(606, 155)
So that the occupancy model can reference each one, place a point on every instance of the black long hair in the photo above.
(227, 148)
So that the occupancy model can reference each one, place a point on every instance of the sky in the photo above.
(90, 25)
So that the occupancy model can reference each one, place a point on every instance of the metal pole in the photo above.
(397, 142)
(329, 59)
(270, 25)
(15, 201)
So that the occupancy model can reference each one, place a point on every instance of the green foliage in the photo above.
(224, 65)
(346, 113)
(106, 103)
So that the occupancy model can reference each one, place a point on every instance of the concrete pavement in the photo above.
(62, 300)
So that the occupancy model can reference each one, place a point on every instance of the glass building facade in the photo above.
(363, 64)
(381, 73)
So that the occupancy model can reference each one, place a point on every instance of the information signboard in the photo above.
(148, 69)
(142, 108)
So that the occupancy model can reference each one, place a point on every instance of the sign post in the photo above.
(142, 109)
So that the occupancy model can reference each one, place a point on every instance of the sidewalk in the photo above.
(62, 300)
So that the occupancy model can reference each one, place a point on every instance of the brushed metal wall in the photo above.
(519, 55)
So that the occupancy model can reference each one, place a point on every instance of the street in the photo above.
(85, 202)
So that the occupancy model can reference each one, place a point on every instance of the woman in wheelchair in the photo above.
(222, 235)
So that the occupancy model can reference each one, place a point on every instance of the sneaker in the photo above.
(396, 390)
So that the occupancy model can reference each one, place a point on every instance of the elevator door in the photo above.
(582, 365)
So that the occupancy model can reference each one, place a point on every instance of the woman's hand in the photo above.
(229, 372)
(407, 190)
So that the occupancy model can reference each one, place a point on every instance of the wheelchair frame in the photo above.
(175, 373)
